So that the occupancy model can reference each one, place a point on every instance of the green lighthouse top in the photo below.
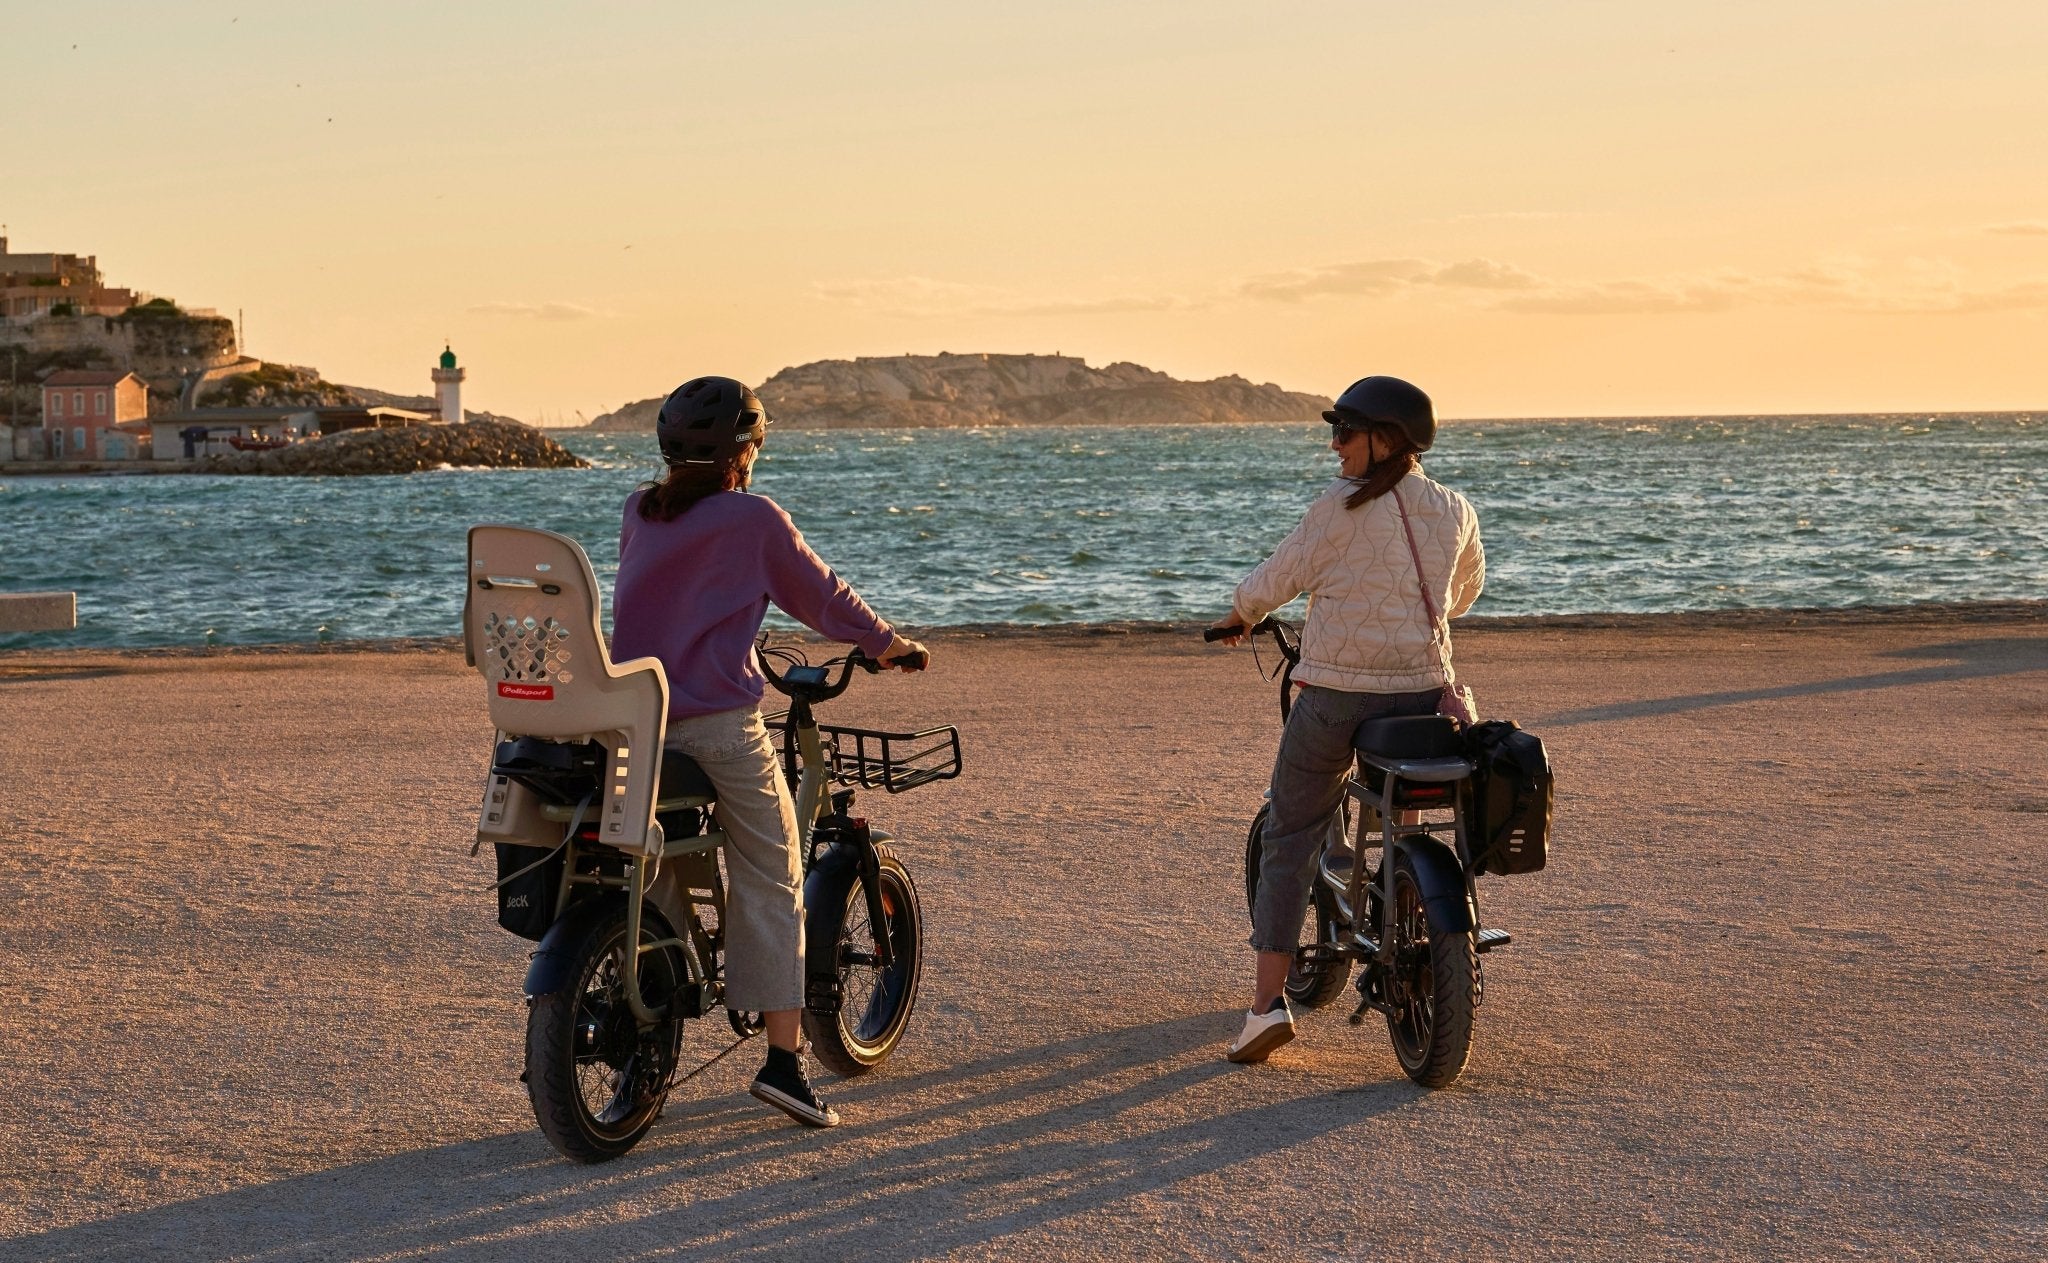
(447, 357)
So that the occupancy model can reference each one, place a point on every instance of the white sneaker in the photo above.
(1262, 1033)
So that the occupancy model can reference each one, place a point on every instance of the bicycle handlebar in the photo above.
(818, 689)
(909, 662)
(1284, 636)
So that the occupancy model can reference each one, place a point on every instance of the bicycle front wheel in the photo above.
(874, 1001)
(1317, 977)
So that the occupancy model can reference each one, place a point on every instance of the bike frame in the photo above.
(812, 797)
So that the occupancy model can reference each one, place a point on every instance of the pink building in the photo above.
(82, 409)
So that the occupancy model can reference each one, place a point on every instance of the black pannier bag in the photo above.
(526, 903)
(531, 876)
(1511, 793)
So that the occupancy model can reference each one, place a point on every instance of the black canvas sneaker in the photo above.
(783, 1084)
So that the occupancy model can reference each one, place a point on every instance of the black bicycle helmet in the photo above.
(708, 420)
(1388, 400)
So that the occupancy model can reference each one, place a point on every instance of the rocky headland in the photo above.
(405, 450)
(982, 389)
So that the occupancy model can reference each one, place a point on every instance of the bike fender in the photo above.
(837, 869)
(555, 959)
(824, 894)
(1446, 899)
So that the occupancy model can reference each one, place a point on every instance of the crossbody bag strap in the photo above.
(1439, 634)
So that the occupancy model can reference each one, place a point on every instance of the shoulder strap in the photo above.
(1439, 634)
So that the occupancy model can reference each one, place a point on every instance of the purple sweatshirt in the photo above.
(692, 592)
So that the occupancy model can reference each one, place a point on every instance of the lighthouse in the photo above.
(448, 387)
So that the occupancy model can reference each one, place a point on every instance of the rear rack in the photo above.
(892, 761)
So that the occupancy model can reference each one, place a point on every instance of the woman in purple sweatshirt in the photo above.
(699, 561)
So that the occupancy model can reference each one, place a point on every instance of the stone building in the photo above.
(36, 285)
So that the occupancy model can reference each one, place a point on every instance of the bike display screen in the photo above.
(807, 675)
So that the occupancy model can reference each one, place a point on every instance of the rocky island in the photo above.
(984, 389)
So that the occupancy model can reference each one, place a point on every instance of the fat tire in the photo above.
(551, 1031)
(1438, 1056)
(883, 1021)
(1311, 987)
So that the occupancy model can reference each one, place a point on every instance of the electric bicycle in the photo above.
(631, 944)
(1411, 919)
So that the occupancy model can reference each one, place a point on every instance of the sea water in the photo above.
(1087, 524)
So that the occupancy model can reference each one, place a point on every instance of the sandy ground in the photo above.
(1782, 993)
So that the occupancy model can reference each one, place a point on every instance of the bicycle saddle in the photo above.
(682, 778)
(1409, 737)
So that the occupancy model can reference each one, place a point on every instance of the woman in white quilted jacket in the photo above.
(1374, 645)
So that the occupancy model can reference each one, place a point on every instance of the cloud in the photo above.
(1853, 284)
(1627, 298)
(1384, 276)
(1915, 286)
(921, 296)
(2019, 228)
(535, 311)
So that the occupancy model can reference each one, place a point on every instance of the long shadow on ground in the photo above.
(1002, 1145)
(1960, 660)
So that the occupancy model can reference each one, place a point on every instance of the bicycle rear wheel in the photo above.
(1433, 990)
(596, 1078)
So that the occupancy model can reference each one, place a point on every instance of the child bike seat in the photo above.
(530, 626)
(1409, 737)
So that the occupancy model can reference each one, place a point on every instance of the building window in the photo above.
(99, 401)
(56, 404)
(78, 403)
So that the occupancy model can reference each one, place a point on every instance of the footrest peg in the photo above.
(1490, 939)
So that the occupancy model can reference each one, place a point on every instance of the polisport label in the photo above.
(527, 692)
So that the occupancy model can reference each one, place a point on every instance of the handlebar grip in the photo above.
(1210, 635)
(910, 661)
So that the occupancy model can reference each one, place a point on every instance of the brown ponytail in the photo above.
(1380, 479)
(672, 496)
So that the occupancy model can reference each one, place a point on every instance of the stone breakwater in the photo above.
(475, 444)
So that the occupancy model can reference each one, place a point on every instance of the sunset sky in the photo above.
(1544, 208)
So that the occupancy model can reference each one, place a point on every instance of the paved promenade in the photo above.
(1782, 993)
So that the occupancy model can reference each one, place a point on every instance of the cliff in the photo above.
(157, 342)
(983, 389)
(494, 444)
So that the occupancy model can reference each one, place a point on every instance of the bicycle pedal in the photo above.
(1490, 939)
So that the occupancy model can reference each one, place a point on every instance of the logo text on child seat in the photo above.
(527, 692)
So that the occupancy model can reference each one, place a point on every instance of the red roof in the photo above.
(85, 377)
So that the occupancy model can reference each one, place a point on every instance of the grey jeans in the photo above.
(1308, 794)
(764, 909)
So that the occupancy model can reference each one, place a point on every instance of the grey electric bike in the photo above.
(1411, 918)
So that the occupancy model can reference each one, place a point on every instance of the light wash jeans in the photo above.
(1308, 794)
(764, 891)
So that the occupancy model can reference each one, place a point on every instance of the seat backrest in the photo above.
(530, 625)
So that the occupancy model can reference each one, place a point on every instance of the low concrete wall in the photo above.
(38, 611)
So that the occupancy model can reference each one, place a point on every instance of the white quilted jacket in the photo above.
(1367, 630)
